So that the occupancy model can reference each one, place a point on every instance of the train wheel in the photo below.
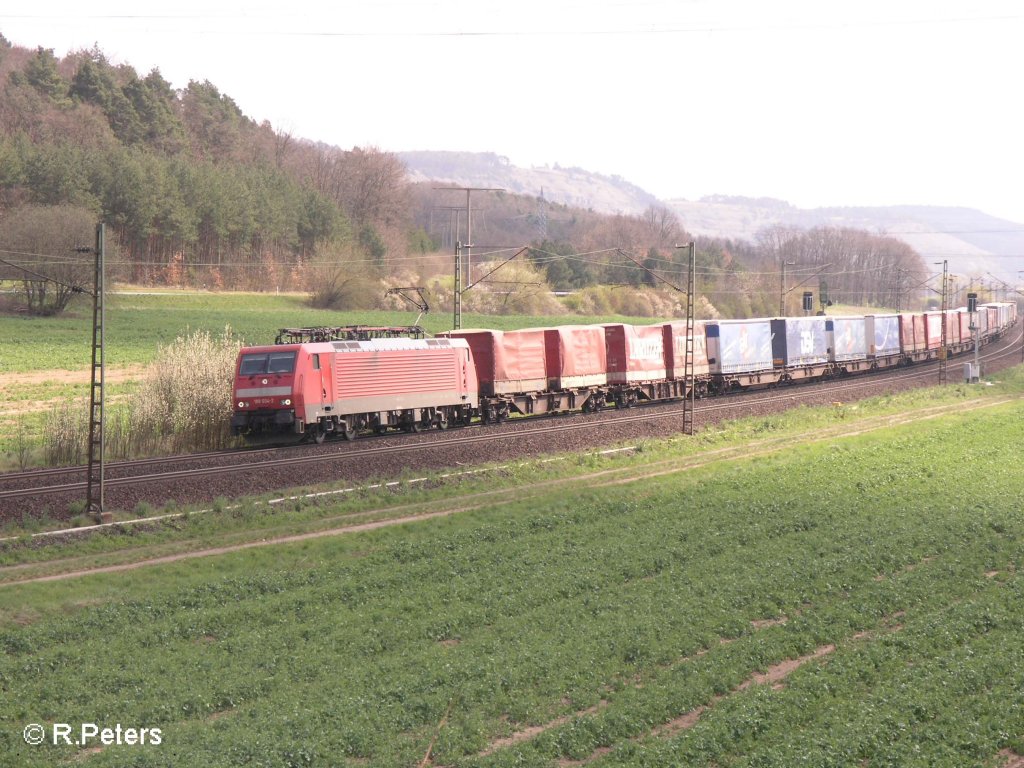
(442, 421)
(347, 432)
(319, 435)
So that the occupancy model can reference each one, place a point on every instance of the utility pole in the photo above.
(468, 244)
(542, 216)
(449, 235)
(94, 472)
(972, 310)
(945, 306)
(95, 476)
(899, 287)
(457, 297)
(689, 377)
(782, 287)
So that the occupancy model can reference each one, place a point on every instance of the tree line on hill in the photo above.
(196, 193)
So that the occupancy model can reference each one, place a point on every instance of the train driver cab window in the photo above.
(252, 365)
(273, 362)
(281, 362)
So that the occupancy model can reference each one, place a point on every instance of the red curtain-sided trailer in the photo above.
(576, 357)
(675, 350)
(636, 353)
(507, 362)
(933, 330)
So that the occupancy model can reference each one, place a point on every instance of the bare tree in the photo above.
(373, 189)
(663, 226)
(860, 267)
(38, 243)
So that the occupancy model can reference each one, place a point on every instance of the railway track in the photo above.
(25, 490)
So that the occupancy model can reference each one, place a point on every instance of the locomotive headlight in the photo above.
(241, 404)
(286, 401)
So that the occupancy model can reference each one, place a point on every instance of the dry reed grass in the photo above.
(183, 405)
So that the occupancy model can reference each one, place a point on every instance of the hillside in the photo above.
(195, 192)
(573, 187)
(975, 243)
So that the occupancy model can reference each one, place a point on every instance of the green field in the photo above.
(633, 610)
(138, 322)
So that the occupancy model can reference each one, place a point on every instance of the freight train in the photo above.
(340, 382)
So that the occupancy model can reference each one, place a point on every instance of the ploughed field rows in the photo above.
(57, 494)
(847, 603)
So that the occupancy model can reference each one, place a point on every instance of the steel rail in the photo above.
(532, 428)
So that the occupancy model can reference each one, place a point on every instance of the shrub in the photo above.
(334, 289)
(186, 396)
(66, 433)
(184, 404)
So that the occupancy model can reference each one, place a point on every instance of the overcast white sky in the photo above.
(865, 102)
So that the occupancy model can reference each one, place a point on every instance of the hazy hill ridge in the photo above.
(574, 187)
(974, 242)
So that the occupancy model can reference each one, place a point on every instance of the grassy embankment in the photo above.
(634, 610)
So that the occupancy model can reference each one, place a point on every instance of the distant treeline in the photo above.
(183, 175)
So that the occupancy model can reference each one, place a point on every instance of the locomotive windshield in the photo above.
(267, 362)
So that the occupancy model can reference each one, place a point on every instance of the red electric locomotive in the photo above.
(318, 388)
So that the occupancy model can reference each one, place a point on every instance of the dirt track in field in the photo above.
(112, 376)
(359, 527)
(9, 381)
